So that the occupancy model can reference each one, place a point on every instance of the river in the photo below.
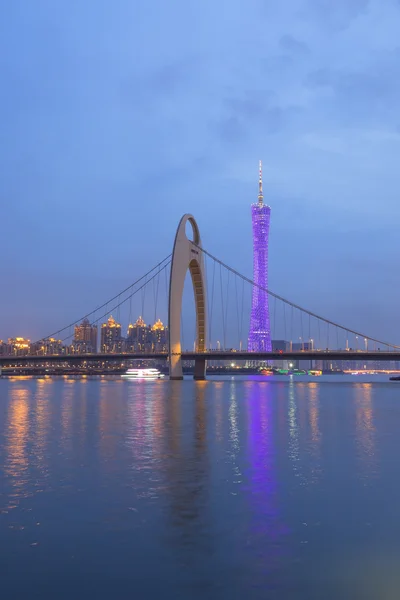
(230, 488)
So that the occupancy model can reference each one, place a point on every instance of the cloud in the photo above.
(169, 77)
(255, 112)
(146, 87)
(293, 46)
(230, 130)
(372, 94)
(336, 14)
(252, 104)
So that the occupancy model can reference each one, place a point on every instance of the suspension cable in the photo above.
(121, 302)
(212, 306)
(226, 309)
(223, 307)
(241, 318)
(237, 309)
(292, 304)
(56, 333)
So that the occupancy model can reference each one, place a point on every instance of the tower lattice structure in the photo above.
(260, 329)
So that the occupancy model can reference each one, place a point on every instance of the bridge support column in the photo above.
(186, 256)
(199, 368)
(175, 367)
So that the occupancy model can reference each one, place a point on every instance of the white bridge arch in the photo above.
(186, 256)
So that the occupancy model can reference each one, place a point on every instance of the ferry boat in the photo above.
(143, 374)
(267, 372)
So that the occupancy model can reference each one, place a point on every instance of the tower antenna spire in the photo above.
(260, 188)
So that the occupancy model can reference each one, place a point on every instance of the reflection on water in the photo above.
(233, 428)
(365, 430)
(66, 418)
(267, 526)
(218, 407)
(314, 410)
(16, 441)
(313, 402)
(293, 449)
(227, 488)
(42, 415)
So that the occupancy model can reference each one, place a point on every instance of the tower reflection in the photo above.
(268, 530)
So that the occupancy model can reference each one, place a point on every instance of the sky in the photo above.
(118, 117)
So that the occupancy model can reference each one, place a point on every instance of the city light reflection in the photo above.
(41, 407)
(16, 463)
(267, 526)
(365, 430)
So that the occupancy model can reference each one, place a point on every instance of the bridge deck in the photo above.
(333, 355)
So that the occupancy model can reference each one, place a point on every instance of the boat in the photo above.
(143, 374)
(395, 378)
(267, 372)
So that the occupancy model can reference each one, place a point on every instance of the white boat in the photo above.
(143, 374)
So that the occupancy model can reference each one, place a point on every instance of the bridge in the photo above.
(227, 355)
(317, 337)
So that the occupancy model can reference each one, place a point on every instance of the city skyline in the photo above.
(96, 143)
(139, 337)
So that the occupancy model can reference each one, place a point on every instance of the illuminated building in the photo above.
(138, 336)
(18, 346)
(159, 337)
(85, 337)
(111, 339)
(260, 332)
(48, 346)
(146, 338)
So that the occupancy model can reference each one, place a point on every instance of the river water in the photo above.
(229, 488)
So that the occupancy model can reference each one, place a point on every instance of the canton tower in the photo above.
(260, 330)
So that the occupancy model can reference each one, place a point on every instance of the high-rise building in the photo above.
(111, 339)
(18, 346)
(260, 330)
(159, 337)
(147, 338)
(53, 346)
(85, 337)
(138, 336)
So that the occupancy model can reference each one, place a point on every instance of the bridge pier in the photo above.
(186, 255)
(199, 368)
(175, 366)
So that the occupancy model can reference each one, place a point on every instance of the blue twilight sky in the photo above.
(118, 116)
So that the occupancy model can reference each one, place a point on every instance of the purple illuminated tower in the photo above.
(260, 330)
